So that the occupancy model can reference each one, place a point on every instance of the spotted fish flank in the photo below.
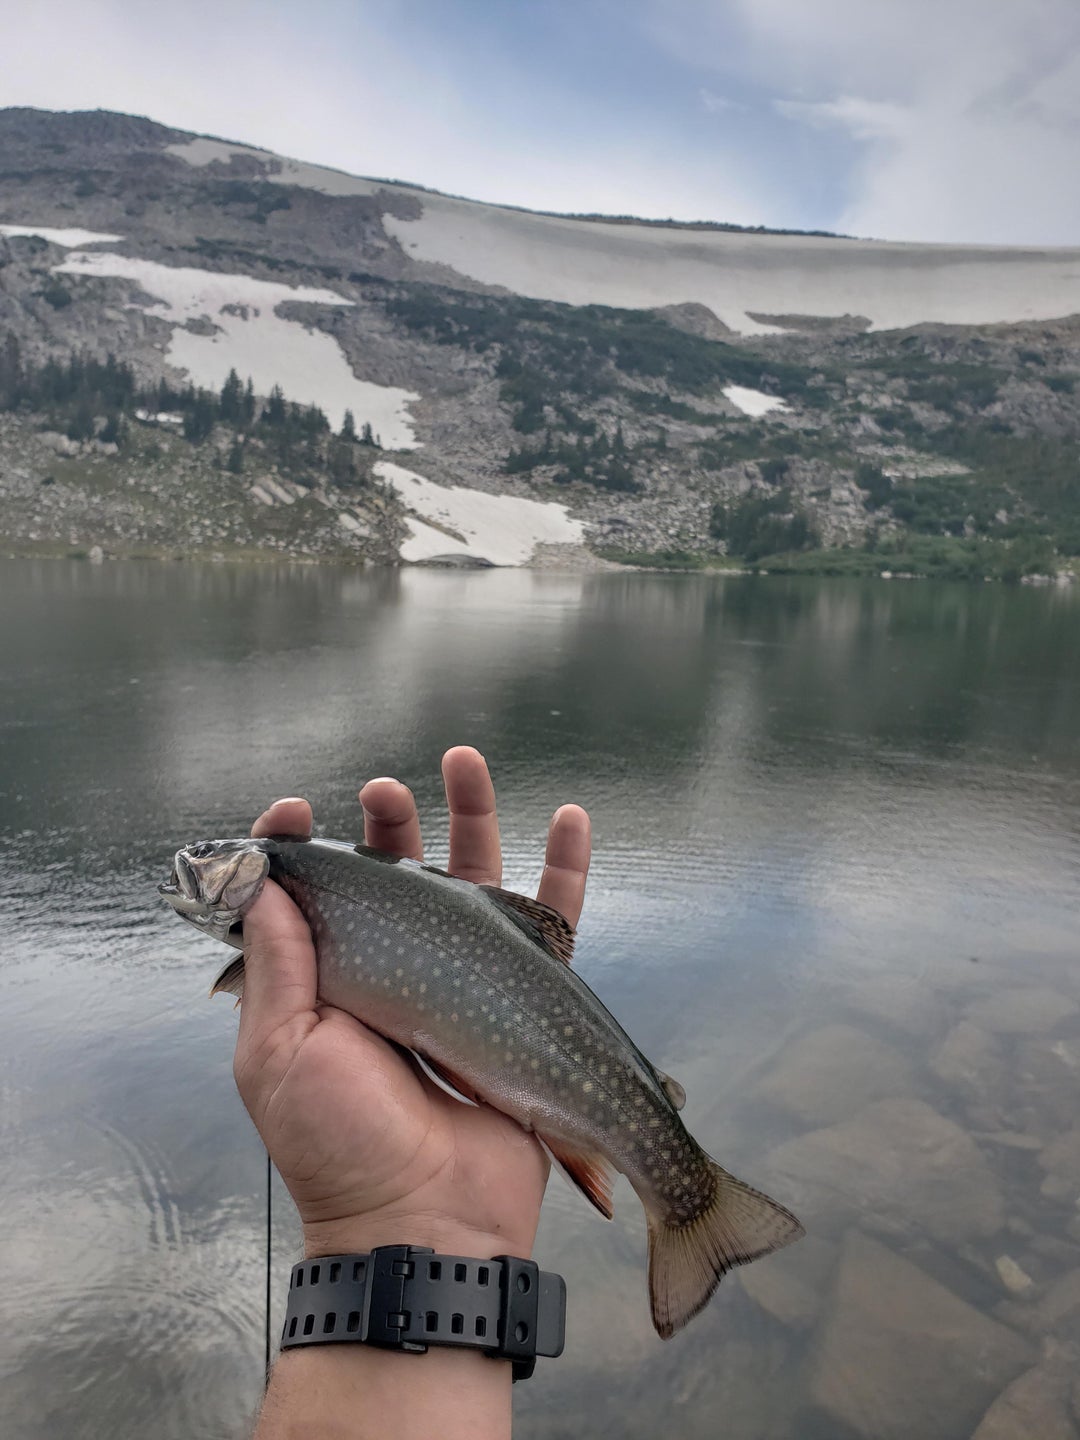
(476, 981)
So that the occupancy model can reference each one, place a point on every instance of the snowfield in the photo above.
(752, 402)
(737, 276)
(503, 529)
(204, 151)
(67, 238)
(252, 339)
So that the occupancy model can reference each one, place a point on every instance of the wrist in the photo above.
(356, 1235)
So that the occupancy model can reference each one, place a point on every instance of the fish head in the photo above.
(213, 883)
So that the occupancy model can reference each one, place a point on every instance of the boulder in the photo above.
(793, 1286)
(901, 1356)
(1034, 1407)
(898, 1166)
(829, 1074)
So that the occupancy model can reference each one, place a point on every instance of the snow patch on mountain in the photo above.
(249, 336)
(276, 168)
(502, 529)
(737, 274)
(67, 238)
(752, 402)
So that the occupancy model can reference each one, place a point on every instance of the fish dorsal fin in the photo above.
(671, 1088)
(589, 1171)
(445, 1079)
(538, 921)
(231, 979)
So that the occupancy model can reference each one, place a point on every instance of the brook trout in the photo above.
(476, 981)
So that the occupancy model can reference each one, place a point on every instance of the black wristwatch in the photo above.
(405, 1297)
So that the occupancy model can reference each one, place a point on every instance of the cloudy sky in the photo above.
(904, 119)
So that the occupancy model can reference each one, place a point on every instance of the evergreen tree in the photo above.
(348, 426)
(235, 463)
(232, 399)
(366, 437)
(275, 412)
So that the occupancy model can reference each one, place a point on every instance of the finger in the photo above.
(280, 978)
(566, 862)
(285, 817)
(390, 819)
(475, 853)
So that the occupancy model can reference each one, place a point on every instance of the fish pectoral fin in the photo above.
(588, 1170)
(671, 1088)
(536, 920)
(231, 979)
(446, 1080)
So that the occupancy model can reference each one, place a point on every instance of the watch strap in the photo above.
(406, 1297)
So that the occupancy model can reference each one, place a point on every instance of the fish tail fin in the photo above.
(688, 1258)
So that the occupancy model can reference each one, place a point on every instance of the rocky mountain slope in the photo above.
(671, 393)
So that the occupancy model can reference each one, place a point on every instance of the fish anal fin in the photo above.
(671, 1088)
(590, 1171)
(446, 1080)
(689, 1257)
(231, 979)
(540, 922)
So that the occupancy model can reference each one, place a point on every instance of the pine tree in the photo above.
(348, 427)
(235, 463)
(232, 398)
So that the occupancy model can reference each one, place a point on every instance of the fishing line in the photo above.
(270, 1246)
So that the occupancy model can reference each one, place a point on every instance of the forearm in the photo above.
(361, 1392)
(358, 1392)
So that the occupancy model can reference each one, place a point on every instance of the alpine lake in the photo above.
(835, 893)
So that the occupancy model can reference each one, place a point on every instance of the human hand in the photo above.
(372, 1153)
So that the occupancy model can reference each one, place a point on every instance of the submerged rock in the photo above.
(904, 1004)
(1034, 1407)
(900, 1356)
(899, 1166)
(831, 1073)
(1032, 1010)
(1061, 1160)
(969, 1060)
(793, 1288)
(1015, 1280)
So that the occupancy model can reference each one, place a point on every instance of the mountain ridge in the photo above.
(629, 420)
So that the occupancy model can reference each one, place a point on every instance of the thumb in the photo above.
(280, 976)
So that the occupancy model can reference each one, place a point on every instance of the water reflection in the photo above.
(835, 894)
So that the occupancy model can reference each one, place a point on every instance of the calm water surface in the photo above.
(835, 893)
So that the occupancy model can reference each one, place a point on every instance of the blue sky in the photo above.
(904, 119)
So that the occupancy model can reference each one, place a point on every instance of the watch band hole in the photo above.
(335, 1272)
(524, 1284)
(315, 1274)
(434, 1270)
(292, 1327)
(309, 1324)
(431, 1320)
(482, 1275)
(521, 1332)
(298, 1276)
(357, 1270)
(481, 1326)
(329, 1323)
(353, 1322)
(460, 1272)
(457, 1324)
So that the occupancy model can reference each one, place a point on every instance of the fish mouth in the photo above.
(213, 882)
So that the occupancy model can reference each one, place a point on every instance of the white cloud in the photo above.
(965, 113)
